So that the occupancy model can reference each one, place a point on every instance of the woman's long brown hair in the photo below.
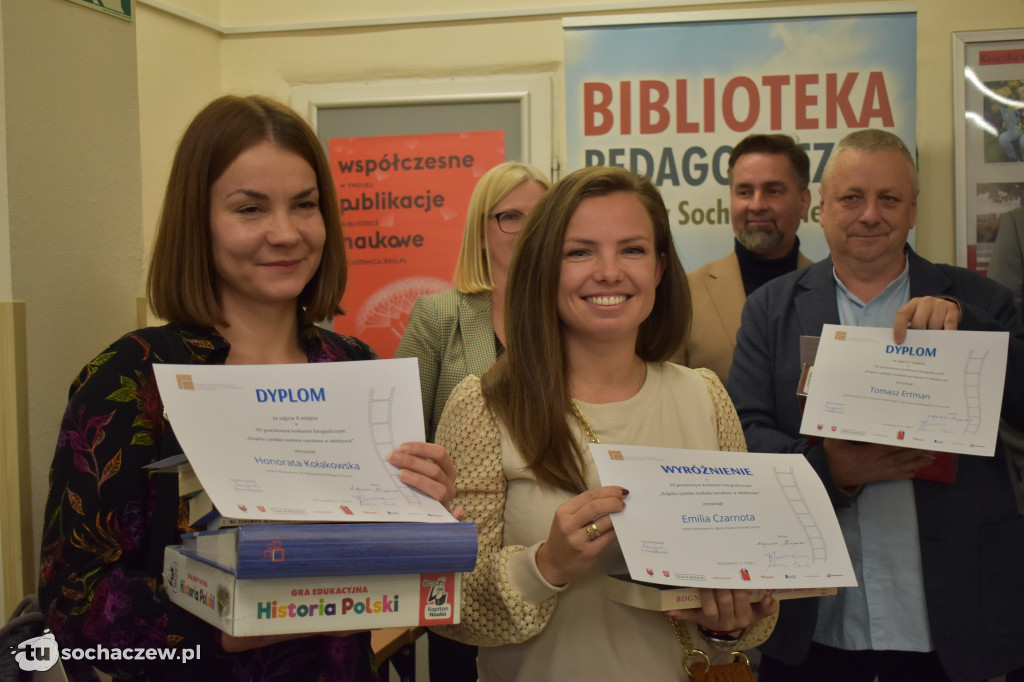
(528, 387)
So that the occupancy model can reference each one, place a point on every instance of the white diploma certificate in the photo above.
(735, 520)
(939, 390)
(306, 442)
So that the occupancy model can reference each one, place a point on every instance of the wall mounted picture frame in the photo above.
(988, 121)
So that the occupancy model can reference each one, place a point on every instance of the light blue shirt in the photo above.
(887, 609)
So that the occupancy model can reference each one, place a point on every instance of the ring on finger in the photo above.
(593, 532)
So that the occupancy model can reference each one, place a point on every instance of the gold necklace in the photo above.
(591, 436)
(587, 429)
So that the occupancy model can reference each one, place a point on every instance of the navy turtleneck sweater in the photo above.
(756, 270)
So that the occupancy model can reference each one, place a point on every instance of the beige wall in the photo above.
(5, 223)
(179, 72)
(6, 450)
(71, 127)
(270, 12)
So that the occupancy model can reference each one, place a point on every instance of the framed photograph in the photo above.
(988, 121)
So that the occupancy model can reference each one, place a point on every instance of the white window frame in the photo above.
(532, 92)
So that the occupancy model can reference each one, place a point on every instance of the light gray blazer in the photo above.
(453, 336)
(1007, 264)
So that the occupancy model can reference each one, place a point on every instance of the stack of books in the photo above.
(303, 450)
(305, 550)
(260, 577)
(201, 511)
(289, 578)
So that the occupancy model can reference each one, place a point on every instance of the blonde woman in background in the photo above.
(461, 331)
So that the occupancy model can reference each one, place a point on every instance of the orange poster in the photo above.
(403, 209)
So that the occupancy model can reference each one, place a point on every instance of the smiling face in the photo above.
(499, 244)
(266, 228)
(610, 270)
(767, 203)
(868, 207)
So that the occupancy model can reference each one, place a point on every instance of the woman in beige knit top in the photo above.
(596, 302)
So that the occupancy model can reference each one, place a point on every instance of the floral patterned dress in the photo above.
(108, 519)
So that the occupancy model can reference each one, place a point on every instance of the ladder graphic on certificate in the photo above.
(972, 390)
(379, 412)
(791, 491)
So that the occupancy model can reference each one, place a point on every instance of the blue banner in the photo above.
(669, 100)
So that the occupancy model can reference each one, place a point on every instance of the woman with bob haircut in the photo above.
(181, 282)
(596, 303)
(248, 255)
(460, 331)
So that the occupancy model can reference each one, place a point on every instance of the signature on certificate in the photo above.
(944, 423)
(375, 495)
(785, 542)
(383, 500)
(653, 547)
(835, 408)
(782, 559)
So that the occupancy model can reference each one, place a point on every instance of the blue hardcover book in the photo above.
(336, 549)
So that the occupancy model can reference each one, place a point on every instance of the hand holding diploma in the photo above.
(925, 312)
(308, 443)
(853, 463)
(736, 521)
(428, 468)
(940, 390)
(580, 531)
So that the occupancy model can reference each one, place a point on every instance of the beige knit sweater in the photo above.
(528, 628)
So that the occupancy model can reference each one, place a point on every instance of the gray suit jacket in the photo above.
(453, 336)
(1007, 264)
(972, 536)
